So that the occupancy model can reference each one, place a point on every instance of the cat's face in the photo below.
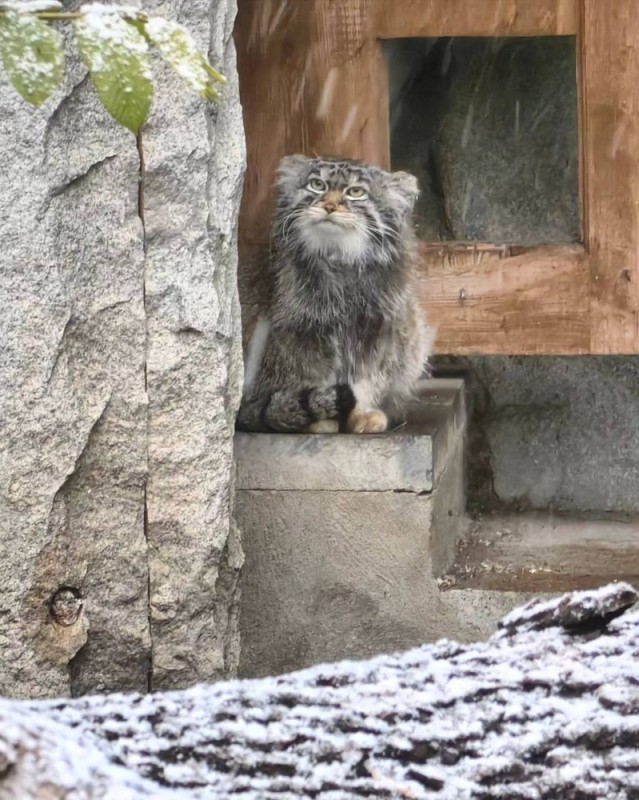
(343, 207)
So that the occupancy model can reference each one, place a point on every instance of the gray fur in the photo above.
(347, 338)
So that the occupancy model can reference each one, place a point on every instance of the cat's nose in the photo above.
(331, 201)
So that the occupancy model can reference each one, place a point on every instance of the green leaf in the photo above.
(178, 48)
(32, 55)
(118, 60)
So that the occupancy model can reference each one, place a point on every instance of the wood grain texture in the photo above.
(408, 18)
(313, 80)
(610, 54)
(490, 300)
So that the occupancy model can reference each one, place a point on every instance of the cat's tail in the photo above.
(293, 410)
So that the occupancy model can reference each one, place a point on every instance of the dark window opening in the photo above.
(489, 126)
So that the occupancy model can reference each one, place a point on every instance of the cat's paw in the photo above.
(367, 422)
(323, 426)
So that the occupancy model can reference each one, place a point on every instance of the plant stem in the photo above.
(64, 15)
(58, 15)
(53, 15)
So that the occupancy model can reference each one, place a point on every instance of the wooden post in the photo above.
(610, 43)
(313, 81)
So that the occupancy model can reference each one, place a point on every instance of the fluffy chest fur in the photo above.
(326, 291)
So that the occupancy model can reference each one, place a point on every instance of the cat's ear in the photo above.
(290, 169)
(405, 190)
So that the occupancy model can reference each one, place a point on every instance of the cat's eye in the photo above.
(356, 192)
(317, 185)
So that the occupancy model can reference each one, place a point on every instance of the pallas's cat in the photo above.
(345, 340)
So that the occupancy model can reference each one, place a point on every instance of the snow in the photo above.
(175, 44)
(108, 40)
(105, 9)
(26, 60)
(112, 30)
(31, 6)
(572, 609)
(539, 711)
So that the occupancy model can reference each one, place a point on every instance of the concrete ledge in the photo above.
(539, 551)
(410, 459)
(338, 462)
(345, 537)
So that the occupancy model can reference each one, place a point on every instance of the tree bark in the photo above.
(547, 708)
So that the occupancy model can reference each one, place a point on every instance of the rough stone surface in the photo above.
(87, 319)
(72, 399)
(490, 128)
(194, 158)
(545, 709)
(555, 432)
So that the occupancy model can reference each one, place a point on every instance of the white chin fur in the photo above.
(331, 238)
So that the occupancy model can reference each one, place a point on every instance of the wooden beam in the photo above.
(490, 300)
(312, 80)
(610, 55)
(411, 18)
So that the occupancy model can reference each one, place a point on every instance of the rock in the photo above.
(119, 380)
(538, 711)
(490, 128)
(194, 157)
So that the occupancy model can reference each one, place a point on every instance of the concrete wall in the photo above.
(349, 541)
(554, 432)
(120, 374)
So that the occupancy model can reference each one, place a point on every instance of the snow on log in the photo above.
(547, 708)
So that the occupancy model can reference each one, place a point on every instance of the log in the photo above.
(546, 708)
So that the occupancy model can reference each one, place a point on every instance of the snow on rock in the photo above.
(31, 6)
(547, 708)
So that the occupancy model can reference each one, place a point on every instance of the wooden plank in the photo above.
(306, 72)
(490, 300)
(610, 54)
(541, 552)
(312, 80)
(411, 18)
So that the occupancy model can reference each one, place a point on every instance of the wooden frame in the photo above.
(313, 80)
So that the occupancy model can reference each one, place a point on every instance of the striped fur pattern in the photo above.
(345, 341)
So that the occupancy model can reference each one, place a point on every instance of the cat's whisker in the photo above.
(288, 222)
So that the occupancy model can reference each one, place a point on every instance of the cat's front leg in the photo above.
(366, 417)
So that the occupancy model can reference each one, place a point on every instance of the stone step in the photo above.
(345, 536)
(541, 551)
(411, 458)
